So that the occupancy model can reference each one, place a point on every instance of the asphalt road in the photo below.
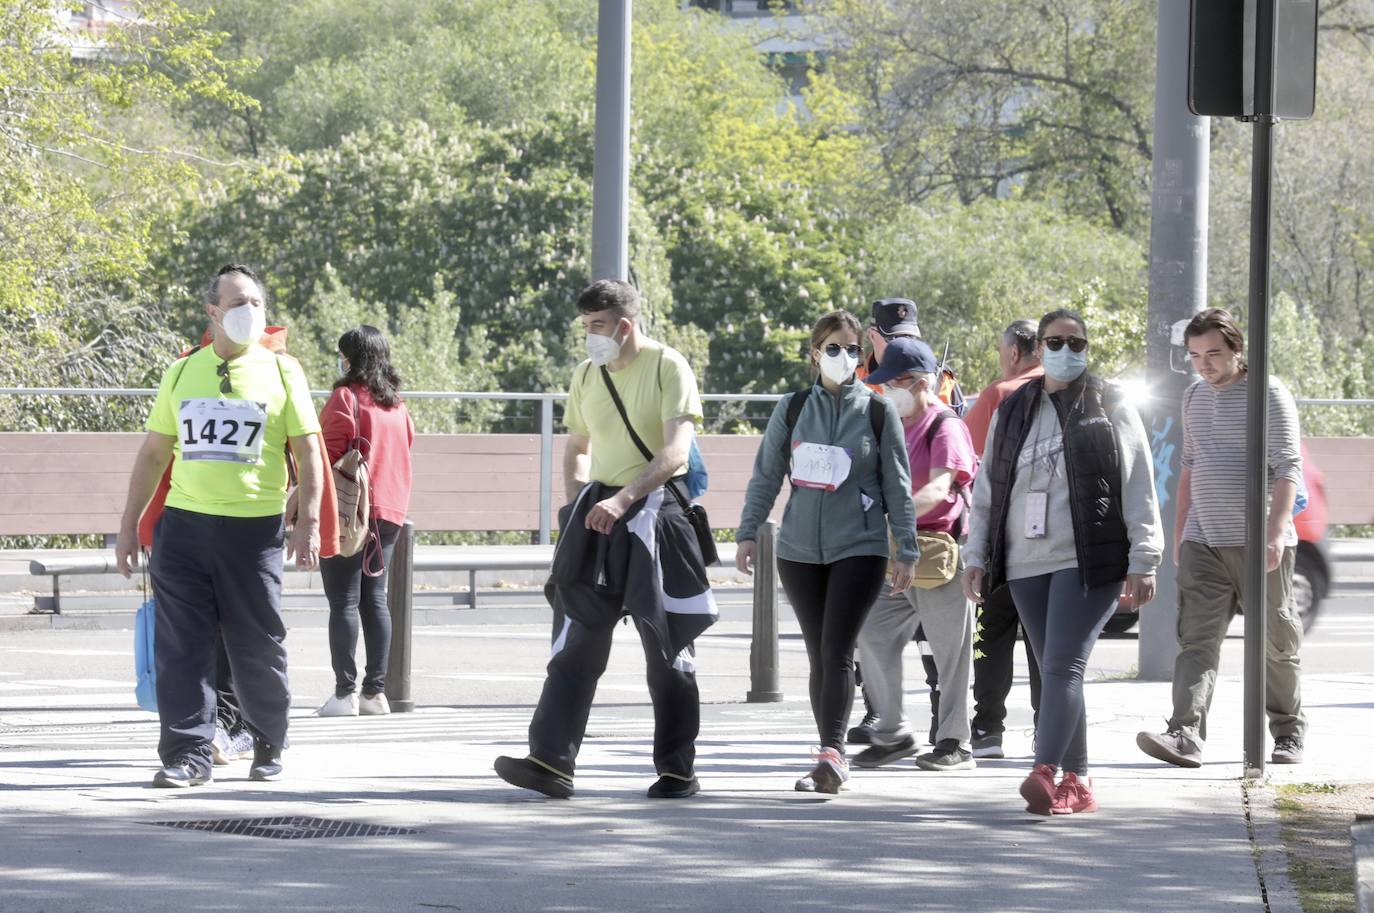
(501, 663)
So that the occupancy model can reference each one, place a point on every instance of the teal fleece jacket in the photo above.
(822, 527)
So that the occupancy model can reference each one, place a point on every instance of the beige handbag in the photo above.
(351, 490)
(939, 560)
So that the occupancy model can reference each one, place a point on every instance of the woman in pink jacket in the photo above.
(366, 403)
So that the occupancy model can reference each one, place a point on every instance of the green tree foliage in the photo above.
(966, 98)
(1323, 239)
(329, 68)
(78, 201)
(976, 268)
(725, 224)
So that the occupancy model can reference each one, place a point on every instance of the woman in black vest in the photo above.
(1064, 512)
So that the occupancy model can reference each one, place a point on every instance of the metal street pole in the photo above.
(1178, 290)
(1257, 412)
(611, 169)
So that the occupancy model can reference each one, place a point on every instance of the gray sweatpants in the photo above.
(1210, 583)
(947, 618)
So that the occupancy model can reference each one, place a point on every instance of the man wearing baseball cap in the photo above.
(893, 318)
(942, 466)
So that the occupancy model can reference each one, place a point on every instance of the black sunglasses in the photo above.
(1055, 343)
(835, 349)
(223, 372)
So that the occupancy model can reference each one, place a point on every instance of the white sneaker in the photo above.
(373, 705)
(220, 752)
(340, 706)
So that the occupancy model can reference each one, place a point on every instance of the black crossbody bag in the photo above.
(696, 514)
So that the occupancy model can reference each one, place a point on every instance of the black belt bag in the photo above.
(696, 514)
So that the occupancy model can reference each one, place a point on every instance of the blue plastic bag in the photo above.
(145, 672)
(697, 478)
(1300, 499)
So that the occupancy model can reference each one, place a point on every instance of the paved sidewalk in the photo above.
(79, 822)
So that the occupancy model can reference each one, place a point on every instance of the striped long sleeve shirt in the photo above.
(1214, 451)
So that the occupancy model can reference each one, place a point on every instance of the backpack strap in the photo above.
(794, 410)
(182, 370)
(959, 490)
(877, 419)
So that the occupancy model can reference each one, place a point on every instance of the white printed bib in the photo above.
(822, 466)
(228, 430)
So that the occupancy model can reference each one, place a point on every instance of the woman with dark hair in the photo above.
(366, 404)
(851, 485)
(1064, 511)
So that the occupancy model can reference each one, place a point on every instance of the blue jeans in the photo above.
(1063, 621)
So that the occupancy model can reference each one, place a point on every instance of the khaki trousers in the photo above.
(1210, 587)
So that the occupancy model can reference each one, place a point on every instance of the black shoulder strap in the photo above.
(634, 436)
(620, 407)
(877, 418)
(182, 370)
(794, 408)
(959, 490)
(935, 428)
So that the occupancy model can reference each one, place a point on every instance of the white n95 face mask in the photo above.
(602, 350)
(244, 324)
(839, 368)
(902, 399)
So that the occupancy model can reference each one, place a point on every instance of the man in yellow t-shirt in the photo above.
(223, 418)
(626, 547)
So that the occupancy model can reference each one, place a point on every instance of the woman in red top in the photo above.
(366, 403)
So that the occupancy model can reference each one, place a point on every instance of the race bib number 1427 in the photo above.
(229, 430)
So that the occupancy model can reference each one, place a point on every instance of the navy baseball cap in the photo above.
(904, 355)
(895, 316)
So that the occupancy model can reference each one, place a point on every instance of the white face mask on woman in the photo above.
(1064, 365)
(840, 366)
(244, 324)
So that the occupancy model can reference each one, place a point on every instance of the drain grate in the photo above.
(290, 827)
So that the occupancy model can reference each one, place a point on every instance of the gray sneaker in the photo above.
(1174, 747)
(988, 745)
(1287, 750)
(878, 755)
(950, 757)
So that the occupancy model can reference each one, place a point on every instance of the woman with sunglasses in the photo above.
(1064, 511)
(851, 488)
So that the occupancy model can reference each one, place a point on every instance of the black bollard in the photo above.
(763, 647)
(399, 593)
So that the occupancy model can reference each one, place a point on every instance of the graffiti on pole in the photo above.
(1162, 450)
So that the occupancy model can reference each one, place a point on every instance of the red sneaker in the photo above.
(1038, 789)
(1073, 796)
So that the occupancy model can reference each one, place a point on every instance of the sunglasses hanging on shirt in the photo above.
(223, 372)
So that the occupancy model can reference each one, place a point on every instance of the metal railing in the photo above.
(546, 403)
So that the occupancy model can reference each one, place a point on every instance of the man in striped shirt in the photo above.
(1209, 545)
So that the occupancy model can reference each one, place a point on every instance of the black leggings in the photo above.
(353, 594)
(831, 602)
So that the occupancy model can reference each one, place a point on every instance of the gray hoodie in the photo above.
(822, 527)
